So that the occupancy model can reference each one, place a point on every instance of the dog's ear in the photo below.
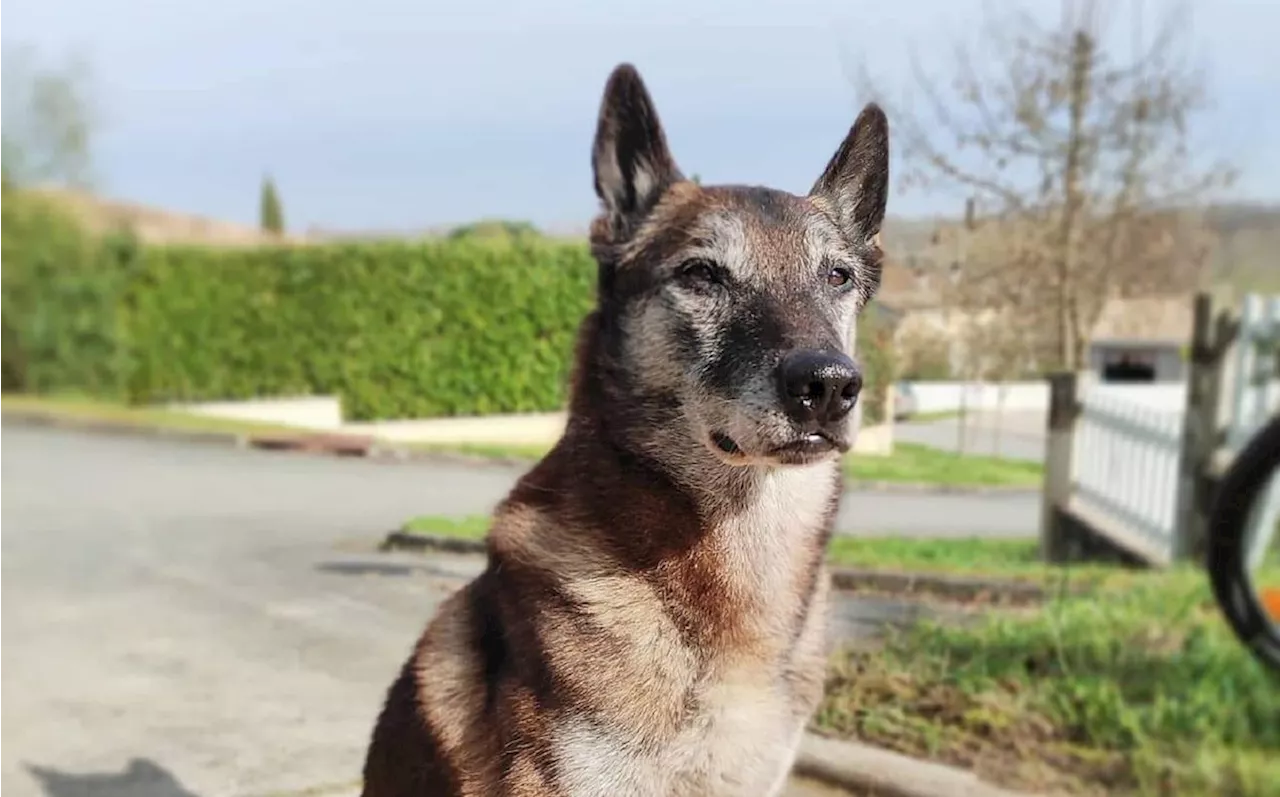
(630, 159)
(855, 184)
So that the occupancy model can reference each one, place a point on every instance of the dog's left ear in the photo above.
(630, 159)
(855, 184)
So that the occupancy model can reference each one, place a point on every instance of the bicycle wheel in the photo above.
(1245, 605)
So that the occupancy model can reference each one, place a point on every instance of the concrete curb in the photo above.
(941, 585)
(853, 765)
(850, 579)
(396, 453)
(408, 541)
(342, 445)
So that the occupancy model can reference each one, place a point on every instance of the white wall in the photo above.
(308, 412)
(1158, 396)
(950, 396)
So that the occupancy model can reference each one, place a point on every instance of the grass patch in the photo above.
(91, 410)
(1137, 688)
(959, 555)
(927, 417)
(913, 463)
(471, 527)
(529, 452)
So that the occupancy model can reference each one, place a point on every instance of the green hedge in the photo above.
(62, 316)
(398, 329)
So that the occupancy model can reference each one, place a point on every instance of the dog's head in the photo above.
(729, 310)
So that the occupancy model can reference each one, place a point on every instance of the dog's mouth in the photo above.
(811, 447)
(803, 450)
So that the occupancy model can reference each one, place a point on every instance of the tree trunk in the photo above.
(1079, 79)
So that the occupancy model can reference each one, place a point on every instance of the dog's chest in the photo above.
(739, 721)
(739, 741)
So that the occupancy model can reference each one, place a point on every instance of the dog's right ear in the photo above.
(630, 159)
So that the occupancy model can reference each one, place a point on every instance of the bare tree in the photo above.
(48, 119)
(1077, 151)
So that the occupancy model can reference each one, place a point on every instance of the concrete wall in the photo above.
(306, 412)
(951, 396)
(1158, 397)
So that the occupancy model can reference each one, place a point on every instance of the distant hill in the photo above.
(155, 225)
(1247, 254)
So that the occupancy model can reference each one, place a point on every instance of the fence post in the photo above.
(1064, 410)
(1200, 431)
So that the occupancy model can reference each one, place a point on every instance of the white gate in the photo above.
(1128, 442)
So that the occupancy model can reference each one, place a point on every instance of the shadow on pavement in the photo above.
(369, 567)
(366, 568)
(141, 778)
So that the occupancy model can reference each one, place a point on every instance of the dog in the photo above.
(651, 617)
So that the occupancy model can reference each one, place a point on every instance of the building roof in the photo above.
(1147, 319)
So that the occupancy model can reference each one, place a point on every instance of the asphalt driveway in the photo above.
(186, 619)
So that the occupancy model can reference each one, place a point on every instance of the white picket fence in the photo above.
(1129, 440)
(1128, 443)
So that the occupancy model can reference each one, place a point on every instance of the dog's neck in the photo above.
(737, 558)
(736, 551)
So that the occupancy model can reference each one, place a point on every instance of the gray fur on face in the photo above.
(716, 348)
(713, 286)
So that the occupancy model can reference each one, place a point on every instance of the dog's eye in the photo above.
(838, 277)
(698, 271)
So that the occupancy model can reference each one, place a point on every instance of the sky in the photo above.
(405, 114)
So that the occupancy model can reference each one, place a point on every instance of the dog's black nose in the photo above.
(818, 386)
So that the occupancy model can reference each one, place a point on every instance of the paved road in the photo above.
(184, 619)
(1016, 434)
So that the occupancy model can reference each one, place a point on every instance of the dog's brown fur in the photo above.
(651, 618)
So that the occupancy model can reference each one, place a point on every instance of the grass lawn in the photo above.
(1136, 688)
(908, 463)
